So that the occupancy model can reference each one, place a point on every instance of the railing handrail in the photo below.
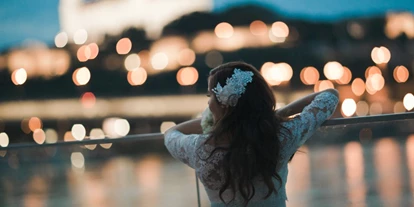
(159, 136)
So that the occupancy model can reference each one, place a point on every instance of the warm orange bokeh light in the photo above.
(186, 57)
(380, 55)
(88, 100)
(187, 76)
(333, 70)
(346, 76)
(224, 30)
(348, 107)
(35, 123)
(372, 70)
(401, 74)
(280, 29)
(39, 136)
(358, 86)
(137, 76)
(309, 75)
(258, 28)
(375, 83)
(93, 50)
(123, 46)
(323, 85)
(19, 76)
(81, 76)
(81, 54)
(159, 61)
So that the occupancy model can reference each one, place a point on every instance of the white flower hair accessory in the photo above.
(234, 88)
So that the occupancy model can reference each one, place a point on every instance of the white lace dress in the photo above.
(191, 150)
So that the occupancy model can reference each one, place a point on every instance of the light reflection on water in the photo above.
(378, 174)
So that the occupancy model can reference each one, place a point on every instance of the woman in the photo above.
(243, 160)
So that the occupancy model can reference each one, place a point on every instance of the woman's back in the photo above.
(195, 152)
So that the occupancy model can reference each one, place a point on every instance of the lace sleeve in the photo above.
(182, 146)
(307, 122)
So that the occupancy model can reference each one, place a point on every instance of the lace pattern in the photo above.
(191, 150)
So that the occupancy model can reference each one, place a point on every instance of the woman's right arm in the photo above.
(298, 105)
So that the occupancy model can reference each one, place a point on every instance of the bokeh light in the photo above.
(35, 123)
(51, 136)
(78, 131)
(68, 137)
(309, 75)
(380, 55)
(96, 133)
(88, 100)
(19, 76)
(333, 70)
(25, 126)
(123, 46)
(408, 101)
(81, 76)
(39, 136)
(121, 127)
(323, 85)
(401, 74)
(77, 159)
(375, 83)
(375, 108)
(81, 54)
(61, 39)
(187, 76)
(137, 77)
(93, 49)
(159, 61)
(258, 28)
(132, 62)
(362, 108)
(186, 57)
(372, 70)
(224, 30)
(80, 36)
(4, 139)
(115, 127)
(348, 107)
(280, 29)
(346, 76)
(166, 125)
(214, 59)
(399, 107)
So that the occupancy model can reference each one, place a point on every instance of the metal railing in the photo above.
(404, 121)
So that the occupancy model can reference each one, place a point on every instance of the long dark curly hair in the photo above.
(252, 129)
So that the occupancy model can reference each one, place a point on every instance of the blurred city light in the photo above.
(401, 74)
(362, 108)
(408, 101)
(88, 100)
(166, 125)
(159, 61)
(333, 70)
(346, 77)
(4, 139)
(35, 123)
(187, 76)
(39, 136)
(78, 132)
(77, 159)
(323, 85)
(137, 76)
(123, 46)
(309, 75)
(258, 28)
(380, 55)
(80, 36)
(19, 76)
(51, 136)
(81, 76)
(375, 108)
(61, 39)
(213, 59)
(280, 30)
(186, 57)
(224, 30)
(348, 107)
(132, 62)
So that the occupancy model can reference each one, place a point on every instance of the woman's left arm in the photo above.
(189, 127)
